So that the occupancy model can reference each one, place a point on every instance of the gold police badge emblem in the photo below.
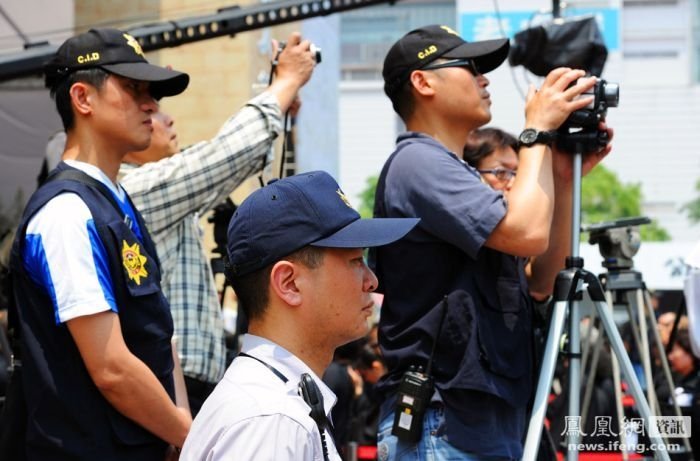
(134, 262)
(449, 30)
(343, 197)
(132, 42)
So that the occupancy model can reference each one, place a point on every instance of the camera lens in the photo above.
(316, 51)
(611, 94)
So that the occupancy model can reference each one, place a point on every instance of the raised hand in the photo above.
(547, 108)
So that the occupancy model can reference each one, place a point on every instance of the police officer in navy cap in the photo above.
(296, 261)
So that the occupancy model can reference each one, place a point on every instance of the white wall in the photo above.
(50, 20)
(317, 125)
(367, 134)
(660, 263)
(27, 115)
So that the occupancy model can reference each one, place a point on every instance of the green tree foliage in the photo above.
(367, 197)
(605, 198)
(693, 207)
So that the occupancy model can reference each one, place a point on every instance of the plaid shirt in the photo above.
(171, 194)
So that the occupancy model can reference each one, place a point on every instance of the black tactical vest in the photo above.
(68, 418)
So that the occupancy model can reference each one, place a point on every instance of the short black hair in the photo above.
(683, 340)
(350, 352)
(403, 102)
(484, 142)
(60, 90)
(252, 289)
(367, 357)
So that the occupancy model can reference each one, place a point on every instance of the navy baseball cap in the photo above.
(116, 52)
(305, 209)
(420, 47)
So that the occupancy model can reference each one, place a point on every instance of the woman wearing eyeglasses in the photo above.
(494, 154)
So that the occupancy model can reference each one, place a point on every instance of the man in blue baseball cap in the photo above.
(296, 262)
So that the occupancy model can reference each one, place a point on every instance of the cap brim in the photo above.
(164, 82)
(366, 233)
(488, 54)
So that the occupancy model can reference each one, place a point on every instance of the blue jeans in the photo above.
(433, 446)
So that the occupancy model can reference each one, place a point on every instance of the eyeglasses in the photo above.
(468, 64)
(502, 174)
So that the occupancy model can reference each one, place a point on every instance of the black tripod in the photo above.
(625, 286)
(568, 289)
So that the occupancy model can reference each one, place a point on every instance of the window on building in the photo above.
(367, 33)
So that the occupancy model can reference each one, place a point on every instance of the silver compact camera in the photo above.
(316, 51)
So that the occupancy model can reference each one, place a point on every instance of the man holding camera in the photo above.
(467, 254)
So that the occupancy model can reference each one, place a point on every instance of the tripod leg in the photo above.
(592, 372)
(595, 291)
(574, 437)
(634, 326)
(645, 352)
(588, 342)
(617, 383)
(666, 369)
(544, 384)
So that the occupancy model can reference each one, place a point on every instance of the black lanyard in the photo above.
(270, 367)
(313, 398)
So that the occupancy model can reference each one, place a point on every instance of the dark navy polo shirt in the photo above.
(454, 205)
(482, 368)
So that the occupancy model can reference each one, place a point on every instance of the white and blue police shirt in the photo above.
(64, 254)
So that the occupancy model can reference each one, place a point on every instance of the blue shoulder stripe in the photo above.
(37, 266)
(99, 256)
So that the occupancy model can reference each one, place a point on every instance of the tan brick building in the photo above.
(223, 70)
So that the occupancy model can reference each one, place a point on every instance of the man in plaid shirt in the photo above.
(173, 189)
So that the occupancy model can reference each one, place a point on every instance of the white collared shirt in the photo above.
(253, 415)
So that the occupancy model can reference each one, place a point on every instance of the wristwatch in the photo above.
(531, 136)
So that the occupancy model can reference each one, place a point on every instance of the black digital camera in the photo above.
(414, 394)
(579, 132)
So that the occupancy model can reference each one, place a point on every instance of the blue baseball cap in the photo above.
(305, 209)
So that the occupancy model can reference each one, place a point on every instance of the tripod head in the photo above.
(618, 241)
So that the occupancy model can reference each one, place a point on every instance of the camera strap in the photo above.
(287, 141)
(309, 391)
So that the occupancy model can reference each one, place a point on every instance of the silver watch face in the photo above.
(528, 136)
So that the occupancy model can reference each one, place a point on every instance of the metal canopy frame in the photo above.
(169, 34)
